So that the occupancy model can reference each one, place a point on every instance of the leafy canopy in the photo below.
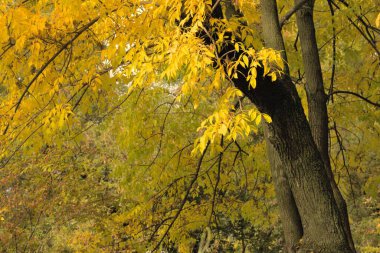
(66, 66)
(77, 57)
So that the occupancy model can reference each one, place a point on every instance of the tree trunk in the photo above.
(289, 215)
(291, 137)
(318, 116)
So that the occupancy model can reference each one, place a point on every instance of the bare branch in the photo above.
(216, 183)
(333, 67)
(184, 200)
(356, 95)
(366, 33)
(290, 13)
(6, 160)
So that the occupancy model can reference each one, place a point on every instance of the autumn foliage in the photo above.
(121, 129)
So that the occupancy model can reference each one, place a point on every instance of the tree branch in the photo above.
(184, 200)
(290, 13)
(78, 33)
(367, 35)
(356, 95)
(216, 183)
(333, 67)
(41, 70)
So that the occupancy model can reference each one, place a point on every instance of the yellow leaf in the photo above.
(229, 71)
(252, 114)
(267, 118)
(245, 60)
(258, 119)
(223, 130)
(252, 82)
(237, 47)
(273, 76)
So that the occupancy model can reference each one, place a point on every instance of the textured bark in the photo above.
(291, 137)
(289, 215)
(317, 109)
(271, 29)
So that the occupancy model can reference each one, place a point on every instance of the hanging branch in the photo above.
(113, 109)
(41, 70)
(341, 151)
(83, 29)
(184, 200)
(6, 160)
(216, 183)
(162, 130)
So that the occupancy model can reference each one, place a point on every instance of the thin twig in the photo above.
(184, 200)
(78, 33)
(216, 183)
(333, 51)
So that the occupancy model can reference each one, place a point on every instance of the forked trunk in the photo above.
(290, 135)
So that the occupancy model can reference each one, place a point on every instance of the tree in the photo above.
(317, 109)
(290, 135)
(318, 117)
(83, 59)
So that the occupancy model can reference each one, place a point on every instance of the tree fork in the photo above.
(290, 135)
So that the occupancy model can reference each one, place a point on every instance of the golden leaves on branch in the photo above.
(61, 47)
